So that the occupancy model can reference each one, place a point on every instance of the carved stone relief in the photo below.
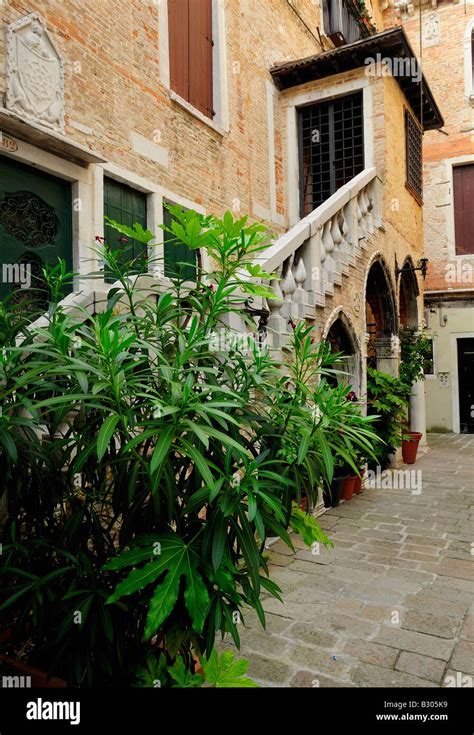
(34, 73)
(431, 30)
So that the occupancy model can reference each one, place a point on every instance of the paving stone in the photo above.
(408, 640)
(372, 653)
(280, 560)
(425, 622)
(380, 613)
(311, 636)
(463, 657)
(422, 666)
(309, 679)
(269, 670)
(424, 601)
(467, 630)
(321, 660)
(261, 641)
(367, 675)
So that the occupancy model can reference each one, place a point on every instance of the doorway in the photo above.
(465, 350)
(35, 224)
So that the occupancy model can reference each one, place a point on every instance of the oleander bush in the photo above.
(142, 468)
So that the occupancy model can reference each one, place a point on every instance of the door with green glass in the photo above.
(126, 206)
(179, 259)
(35, 225)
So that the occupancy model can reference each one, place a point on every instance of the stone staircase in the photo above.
(311, 261)
(315, 257)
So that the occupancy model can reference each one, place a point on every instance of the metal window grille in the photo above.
(331, 148)
(414, 155)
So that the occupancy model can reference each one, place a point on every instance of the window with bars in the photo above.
(413, 156)
(331, 139)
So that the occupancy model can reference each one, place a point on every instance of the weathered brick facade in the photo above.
(118, 105)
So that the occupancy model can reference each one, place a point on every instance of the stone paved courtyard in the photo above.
(396, 556)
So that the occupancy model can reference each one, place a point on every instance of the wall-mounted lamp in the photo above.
(422, 266)
(263, 315)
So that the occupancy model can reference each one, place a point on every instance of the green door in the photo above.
(127, 206)
(179, 259)
(35, 224)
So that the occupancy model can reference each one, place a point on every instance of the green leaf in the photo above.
(106, 431)
(225, 673)
(161, 448)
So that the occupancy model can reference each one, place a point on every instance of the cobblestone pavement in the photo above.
(397, 557)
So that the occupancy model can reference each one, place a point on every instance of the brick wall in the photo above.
(443, 66)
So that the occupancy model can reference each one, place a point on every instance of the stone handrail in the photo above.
(315, 255)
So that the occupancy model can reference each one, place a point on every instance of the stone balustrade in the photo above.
(315, 256)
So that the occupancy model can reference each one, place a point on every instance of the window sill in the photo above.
(196, 113)
(414, 193)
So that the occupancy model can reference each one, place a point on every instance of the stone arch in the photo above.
(408, 293)
(381, 322)
(340, 332)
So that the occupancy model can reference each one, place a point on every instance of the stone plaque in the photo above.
(431, 33)
(34, 73)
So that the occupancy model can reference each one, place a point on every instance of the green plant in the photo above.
(388, 398)
(142, 467)
(415, 350)
(219, 672)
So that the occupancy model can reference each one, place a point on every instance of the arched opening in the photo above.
(409, 291)
(342, 340)
(381, 322)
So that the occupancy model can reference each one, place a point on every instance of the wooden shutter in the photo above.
(200, 56)
(178, 39)
(179, 260)
(463, 181)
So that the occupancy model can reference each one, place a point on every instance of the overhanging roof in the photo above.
(391, 44)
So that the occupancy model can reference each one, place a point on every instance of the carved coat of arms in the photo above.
(35, 75)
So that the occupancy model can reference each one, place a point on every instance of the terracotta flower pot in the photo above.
(348, 487)
(358, 483)
(410, 446)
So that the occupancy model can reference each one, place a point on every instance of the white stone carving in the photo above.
(431, 30)
(34, 73)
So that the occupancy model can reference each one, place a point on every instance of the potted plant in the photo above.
(415, 350)
(387, 397)
(410, 442)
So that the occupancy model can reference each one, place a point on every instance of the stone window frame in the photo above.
(454, 377)
(451, 163)
(156, 195)
(434, 343)
(469, 61)
(220, 122)
(295, 101)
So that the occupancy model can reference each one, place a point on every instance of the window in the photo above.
(127, 206)
(463, 196)
(428, 363)
(190, 52)
(179, 260)
(413, 156)
(340, 23)
(331, 148)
